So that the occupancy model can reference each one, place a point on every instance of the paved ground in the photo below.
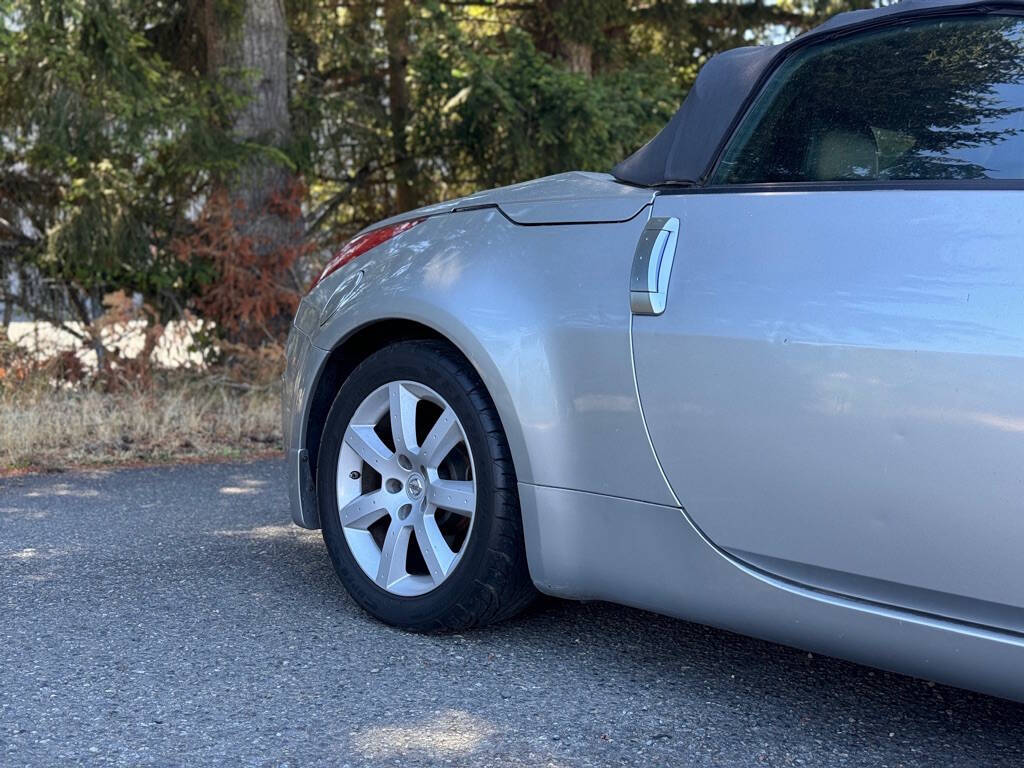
(174, 616)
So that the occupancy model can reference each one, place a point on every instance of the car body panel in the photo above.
(576, 197)
(553, 353)
(584, 546)
(842, 403)
(542, 312)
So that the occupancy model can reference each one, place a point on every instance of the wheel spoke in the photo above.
(366, 443)
(443, 436)
(393, 554)
(455, 495)
(403, 417)
(363, 511)
(436, 553)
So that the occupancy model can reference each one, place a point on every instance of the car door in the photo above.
(833, 380)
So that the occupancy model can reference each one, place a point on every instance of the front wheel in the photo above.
(417, 493)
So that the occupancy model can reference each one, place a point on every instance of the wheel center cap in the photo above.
(414, 486)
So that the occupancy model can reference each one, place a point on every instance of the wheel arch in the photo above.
(360, 343)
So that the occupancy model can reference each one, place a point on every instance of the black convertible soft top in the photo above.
(685, 150)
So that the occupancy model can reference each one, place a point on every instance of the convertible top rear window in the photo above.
(939, 99)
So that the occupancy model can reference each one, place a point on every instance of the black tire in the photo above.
(491, 581)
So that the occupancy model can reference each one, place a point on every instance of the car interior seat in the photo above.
(843, 154)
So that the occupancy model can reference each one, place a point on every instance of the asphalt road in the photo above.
(174, 616)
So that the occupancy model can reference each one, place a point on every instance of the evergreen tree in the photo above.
(192, 151)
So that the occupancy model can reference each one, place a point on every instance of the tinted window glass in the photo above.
(941, 99)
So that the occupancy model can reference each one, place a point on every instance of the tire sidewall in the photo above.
(407, 361)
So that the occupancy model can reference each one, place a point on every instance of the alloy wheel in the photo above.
(405, 488)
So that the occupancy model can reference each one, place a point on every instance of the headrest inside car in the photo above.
(842, 155)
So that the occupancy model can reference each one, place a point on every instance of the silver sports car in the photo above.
(768, 374)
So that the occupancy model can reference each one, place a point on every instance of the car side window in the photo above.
(930, 100)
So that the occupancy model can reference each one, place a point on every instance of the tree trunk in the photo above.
(250, 55)
(247, 50)
(396, 32)
(578, 57)
(5, 297)
(550, 35)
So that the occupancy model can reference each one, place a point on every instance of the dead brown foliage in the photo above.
(257, 289)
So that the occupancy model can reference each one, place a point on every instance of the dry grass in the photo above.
(43, 428)
(57, 410)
